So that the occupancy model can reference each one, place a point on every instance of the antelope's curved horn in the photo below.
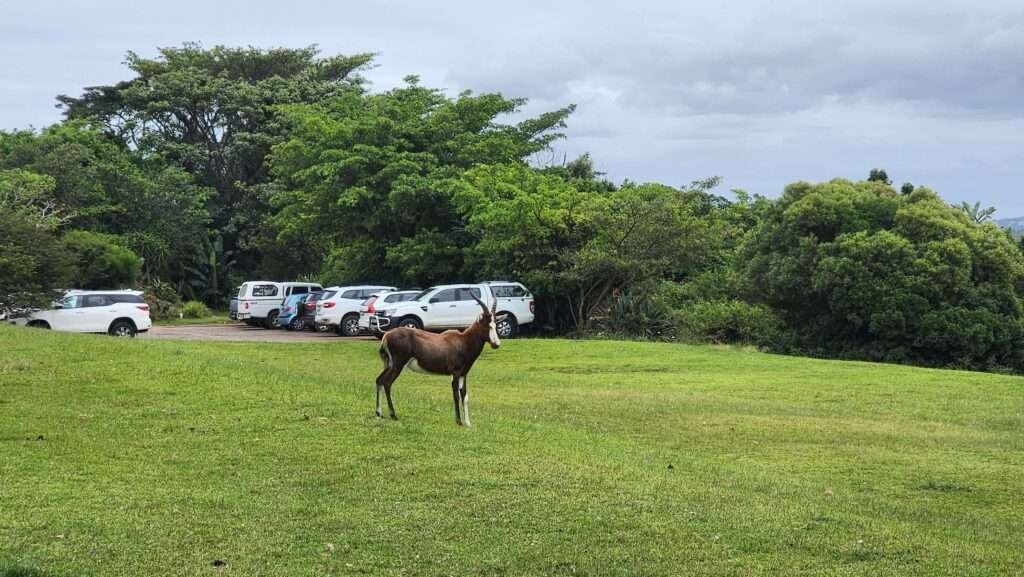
(494, 305)
(479, 302)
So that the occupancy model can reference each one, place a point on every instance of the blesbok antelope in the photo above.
(449, 353)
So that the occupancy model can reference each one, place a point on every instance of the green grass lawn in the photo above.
(214, 318)
(144, 457)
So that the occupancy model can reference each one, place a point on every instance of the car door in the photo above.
(442, 309)
(67, 317)
(466, 309)
(95, 313)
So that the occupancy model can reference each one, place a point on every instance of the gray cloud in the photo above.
(762, 94)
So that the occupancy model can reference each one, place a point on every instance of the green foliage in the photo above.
(214, 113)
(372, 177)
(879, 175)
(30, 196)
(195, 310)
(976, 212)
(164, 302)
(857, 270)
(34, 263)
(102, 262)
(571, 243)
(637, 314)
(728, 321)
(76, 175)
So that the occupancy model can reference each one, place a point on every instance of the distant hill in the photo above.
(1015, 224)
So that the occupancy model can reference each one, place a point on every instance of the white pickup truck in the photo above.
(453, 307)
(259, 302)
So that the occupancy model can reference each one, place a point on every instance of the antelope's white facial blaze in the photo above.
(493, 337)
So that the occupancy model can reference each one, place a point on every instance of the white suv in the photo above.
(339, 310)
(117, 313)
(516, 302)
(380, 300)
(453, 307)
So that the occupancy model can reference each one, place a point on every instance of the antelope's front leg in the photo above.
(465, 400)
(455, 398)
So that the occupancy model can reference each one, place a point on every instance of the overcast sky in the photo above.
(760, 93)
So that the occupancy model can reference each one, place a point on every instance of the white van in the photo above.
(259, 302)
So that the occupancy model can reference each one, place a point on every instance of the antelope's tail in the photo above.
(385, 354)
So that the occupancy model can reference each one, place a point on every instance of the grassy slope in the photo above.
(588, 458)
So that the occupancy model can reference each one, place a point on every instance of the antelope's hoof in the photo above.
(394, 417)
(380, 416)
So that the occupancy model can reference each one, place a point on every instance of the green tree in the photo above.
(577, 248)
(34, 263)
(213, 112)
(975, 211)
(102, 263)
(858, 270)
(79, 176)
(30, 196)
(365, 183)
(879, 175)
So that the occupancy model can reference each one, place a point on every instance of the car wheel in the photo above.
(39, 325)
(410, 323)
(122, 329)
(271, 322)
(349, 326)
(507, 327)
(291, 326)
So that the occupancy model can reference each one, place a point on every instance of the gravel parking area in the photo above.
(240, 332)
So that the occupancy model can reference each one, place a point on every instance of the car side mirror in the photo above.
(58, 306)
(434, 300)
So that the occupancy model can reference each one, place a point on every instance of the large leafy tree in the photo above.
(213, 112)
(80, 176)
(365, 182)
(578, 247)
(859, 270)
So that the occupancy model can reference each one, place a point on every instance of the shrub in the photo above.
(729, 321)
(195, 310)
(102, 263)
(163, 300)
(638, 314)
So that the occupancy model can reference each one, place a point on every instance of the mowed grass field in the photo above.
(136, 457)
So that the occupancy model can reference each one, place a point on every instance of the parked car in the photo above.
(118, 313)
(307, 320)
(259, 302)
(453, 307)
(292, 311)
(382, 299)
(517, 304)
(340, 311)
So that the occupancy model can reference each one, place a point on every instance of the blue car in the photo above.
(290, 312)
